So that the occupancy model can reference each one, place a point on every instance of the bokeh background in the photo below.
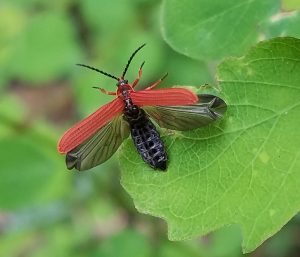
(46, 210)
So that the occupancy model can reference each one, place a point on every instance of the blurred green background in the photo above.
(46, 210)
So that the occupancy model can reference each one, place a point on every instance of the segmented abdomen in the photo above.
(147, 141)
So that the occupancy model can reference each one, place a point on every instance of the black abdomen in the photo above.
(146, 138)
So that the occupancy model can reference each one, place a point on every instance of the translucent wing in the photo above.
(164, 97)
(99, 147)
(208, 109)
(88, 126)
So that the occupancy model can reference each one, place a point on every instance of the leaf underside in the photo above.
(244, 169)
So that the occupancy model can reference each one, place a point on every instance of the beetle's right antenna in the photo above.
(100, 71)
(130, 59)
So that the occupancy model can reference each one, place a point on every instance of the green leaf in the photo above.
(12, 114)
(175, 249)
(284, 25)
(12, 21)
(224, 243)
(30, 176)
(128, 243)
(243, 170)
(214, 29)
(289, 5)
(45, 50)
(96, 15)
(57, 239)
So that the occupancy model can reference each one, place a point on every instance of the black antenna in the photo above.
(130, 59)
(100, 71)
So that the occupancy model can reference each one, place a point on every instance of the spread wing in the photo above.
(88, 126)
(208, 109)
(99, 147)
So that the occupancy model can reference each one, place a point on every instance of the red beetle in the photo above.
(96, 138)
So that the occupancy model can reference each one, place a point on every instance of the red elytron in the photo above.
(94, 139)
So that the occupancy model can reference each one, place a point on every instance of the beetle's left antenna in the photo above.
(130, 59)
(100, 71)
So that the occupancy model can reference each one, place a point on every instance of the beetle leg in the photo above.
(139, 76)
(156, 83)
(104, 91)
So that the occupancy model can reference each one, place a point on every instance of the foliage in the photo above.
(242, 170)
(213, 30)
(46, 210)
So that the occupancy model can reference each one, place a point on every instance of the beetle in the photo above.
(96, 138)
